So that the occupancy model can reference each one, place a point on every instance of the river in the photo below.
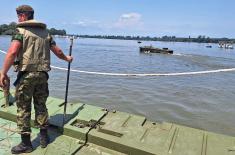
(204, 101)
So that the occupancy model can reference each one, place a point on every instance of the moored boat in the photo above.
(226, 45)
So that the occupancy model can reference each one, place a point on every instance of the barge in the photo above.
(92, 130)
(151, 49)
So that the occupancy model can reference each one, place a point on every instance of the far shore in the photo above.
(199, 39)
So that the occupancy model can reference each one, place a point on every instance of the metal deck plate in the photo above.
(92, 130)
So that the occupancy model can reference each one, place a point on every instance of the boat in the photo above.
(151, 49)
(229, 46)
(92, 130)
(139, 42)
(225, 45)
(208, 46)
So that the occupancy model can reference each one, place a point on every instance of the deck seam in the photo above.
(173, 140)
(204, 144)
(87, 134)
(144, 135)
(124, 124)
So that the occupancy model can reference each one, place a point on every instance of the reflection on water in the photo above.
(203, 101)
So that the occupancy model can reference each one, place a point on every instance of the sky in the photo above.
(155, 18)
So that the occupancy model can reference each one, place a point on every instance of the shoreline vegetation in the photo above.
(9, 29)
(199, 39)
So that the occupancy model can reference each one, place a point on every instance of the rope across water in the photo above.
(133, 74)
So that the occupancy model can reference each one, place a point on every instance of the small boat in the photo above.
(208, 46)
(151, 49)
(229, 46)
(226, 45)
(139, 42)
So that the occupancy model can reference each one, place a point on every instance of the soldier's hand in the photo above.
(69, 58)
(1, 85)
(3, 80)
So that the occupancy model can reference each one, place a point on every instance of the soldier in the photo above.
(31, 48)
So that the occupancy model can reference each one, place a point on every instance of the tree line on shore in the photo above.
(199, 39)
(9, 29)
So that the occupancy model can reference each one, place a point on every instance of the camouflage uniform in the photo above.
(34, 63)
(32, 85)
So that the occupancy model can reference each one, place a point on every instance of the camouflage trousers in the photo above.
(32, 85)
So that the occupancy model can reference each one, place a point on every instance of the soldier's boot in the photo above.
(24, 147)
(44, 138)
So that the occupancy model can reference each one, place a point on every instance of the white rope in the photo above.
(154, 74)
(3, 52)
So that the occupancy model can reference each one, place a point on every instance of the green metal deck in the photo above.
(91, 130)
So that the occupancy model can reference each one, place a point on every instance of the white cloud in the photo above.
(86, 23)
(128, 23)
(128, 20)
(81, 23)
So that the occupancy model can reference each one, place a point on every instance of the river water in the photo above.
(204, 101)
